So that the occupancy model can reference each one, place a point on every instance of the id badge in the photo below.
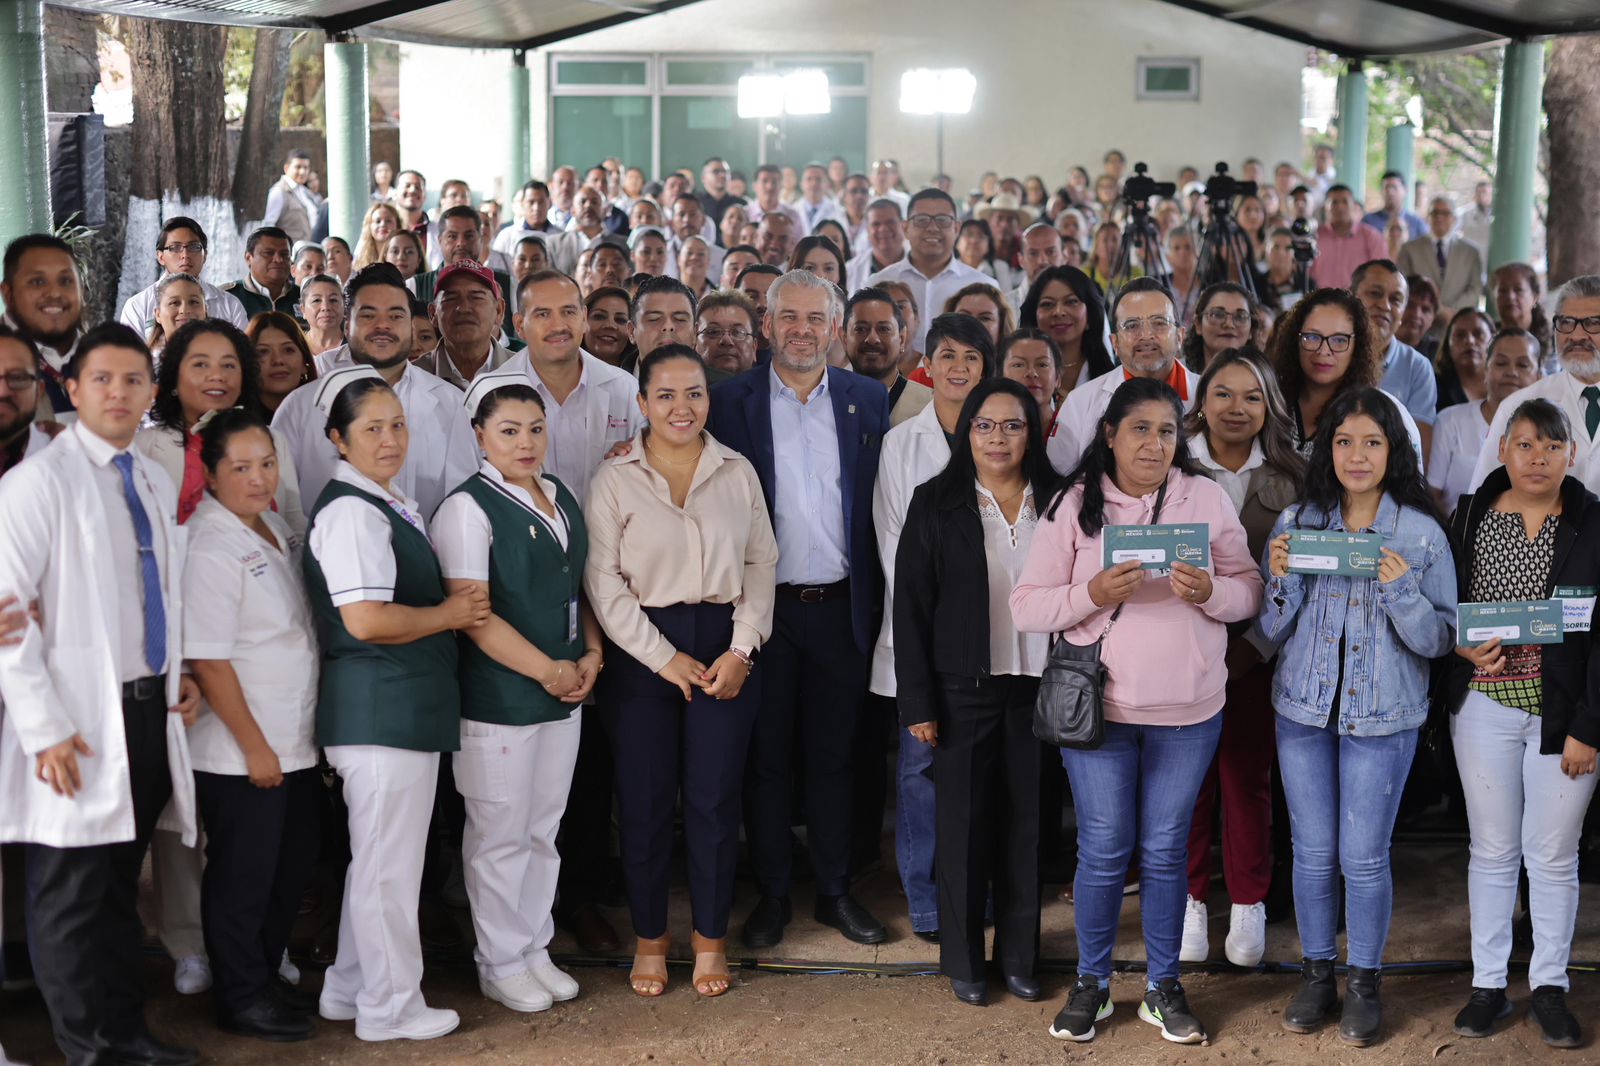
(1577, 607)
(572, 620)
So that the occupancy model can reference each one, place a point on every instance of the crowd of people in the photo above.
(676, 507)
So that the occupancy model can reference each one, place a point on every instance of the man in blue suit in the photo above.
(813, 434)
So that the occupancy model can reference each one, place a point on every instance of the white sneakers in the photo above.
(1196, 937)
(430, 1022)
(524, 992)
(1247, 934)
(555, 980)
(288, 970)
(336, 1010)
(192, 975)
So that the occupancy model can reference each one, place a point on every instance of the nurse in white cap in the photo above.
(516, 533)
(388, 702)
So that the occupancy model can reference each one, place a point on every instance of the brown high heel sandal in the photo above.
(710, 965)
(649, 974)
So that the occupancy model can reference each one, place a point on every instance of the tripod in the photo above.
(1225, 255)
(1141, 243)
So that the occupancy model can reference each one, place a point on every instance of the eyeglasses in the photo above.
(716, 333)
(944, 222)
(1156, 324)
(19, 380)
(1569, 324)
(1218, 317)
(193, 248)
(1336, 342)
(1011, 427)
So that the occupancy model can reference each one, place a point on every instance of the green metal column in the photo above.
(519, 140)
(1351, 156)
(349, 139)
(24, 136)
(1521, 89)
(1400, 154)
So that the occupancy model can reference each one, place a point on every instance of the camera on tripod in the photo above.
(1137, 190)
(1222, 189)
(1305, 248)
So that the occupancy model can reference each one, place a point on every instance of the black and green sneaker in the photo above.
(1087, 1003)
(1166, 1007)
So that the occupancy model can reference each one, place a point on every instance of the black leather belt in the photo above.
(815, 593)
(144, 688)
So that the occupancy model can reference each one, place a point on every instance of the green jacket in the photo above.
(255, 303)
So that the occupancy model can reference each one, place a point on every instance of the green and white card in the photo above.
(1514, 622)
(1319, 551)
(1157, 547)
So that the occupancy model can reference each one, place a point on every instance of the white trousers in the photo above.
(1521, 810)
(175, 872)
(514, 781)
(379, 966)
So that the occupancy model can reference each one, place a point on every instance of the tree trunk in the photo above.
(180, 141)
(1572, 104)
(258, 163)
(72, 66)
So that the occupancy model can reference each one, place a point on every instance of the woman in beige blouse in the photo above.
(680, 572)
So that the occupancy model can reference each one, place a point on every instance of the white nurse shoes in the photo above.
(430, 1022)
(524, 992)
(555, 980)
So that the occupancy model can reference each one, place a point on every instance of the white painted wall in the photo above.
(1055, 83)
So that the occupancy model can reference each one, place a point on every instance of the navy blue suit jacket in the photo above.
(741, 418)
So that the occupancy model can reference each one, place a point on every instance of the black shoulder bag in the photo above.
(1069, 712)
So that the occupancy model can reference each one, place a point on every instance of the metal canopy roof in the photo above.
(1352, 28)
(464, 23)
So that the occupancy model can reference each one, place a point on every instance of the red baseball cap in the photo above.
(473, 269)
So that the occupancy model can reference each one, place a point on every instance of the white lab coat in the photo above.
(62, 679)
(913, 452)
(1075, 424)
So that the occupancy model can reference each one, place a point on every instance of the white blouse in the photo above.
(353, 542)
(1005, 547)
(1458, 436)
(462, 533)
(244, 602)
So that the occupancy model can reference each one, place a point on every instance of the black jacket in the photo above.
(1570, 670)
(941, 601)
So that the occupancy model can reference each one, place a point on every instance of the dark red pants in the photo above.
(1243, 769)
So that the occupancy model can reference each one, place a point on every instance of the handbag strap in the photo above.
(1155, 516)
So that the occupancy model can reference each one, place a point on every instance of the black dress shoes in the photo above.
(1023, 987)
(850, 918)
(267, 1019)
(764, 927)
(296, 999)
(972, 993)
(146, 1050)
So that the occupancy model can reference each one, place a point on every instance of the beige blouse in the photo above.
(646, 552)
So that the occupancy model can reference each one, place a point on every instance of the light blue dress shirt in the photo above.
(1409, 378)
(808, 496)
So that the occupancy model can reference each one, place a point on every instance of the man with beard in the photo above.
(181, 248)
(43, 298)
(20, 435)
(461, 241)
(410, 192)
(726, 338)
(1407, 374)
(813, 434)
(443, 451)
(266, 285)
(1575, 330)
(930, 267)
(875, 340)
(589, 406)
(1148, 340)
(467, 309)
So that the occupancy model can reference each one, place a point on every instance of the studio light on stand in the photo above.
(771, 96)
(925, 91)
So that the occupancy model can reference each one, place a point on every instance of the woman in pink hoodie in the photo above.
(1164, 692)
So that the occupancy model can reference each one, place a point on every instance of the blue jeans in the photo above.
(1343, 793)
(913, 831)
(1137, 789)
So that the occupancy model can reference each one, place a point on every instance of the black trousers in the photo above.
(814, 684)
(585, 840)
(261, 846)
(986, 798)
(83, 917)
(662, 745)
(879, 722)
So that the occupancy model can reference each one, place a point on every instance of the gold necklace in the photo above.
(675, 462)
(1008, 499)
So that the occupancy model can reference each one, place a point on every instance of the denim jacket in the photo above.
(1391, 632)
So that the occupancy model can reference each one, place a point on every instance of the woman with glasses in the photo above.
(1322, 349)
(1223, 319)
(967, 681)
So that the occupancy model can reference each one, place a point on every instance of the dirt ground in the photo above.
(778, 1019)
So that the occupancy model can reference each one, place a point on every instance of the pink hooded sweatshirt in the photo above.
(1165, 656)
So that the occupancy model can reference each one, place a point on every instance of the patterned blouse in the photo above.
(1507, 566)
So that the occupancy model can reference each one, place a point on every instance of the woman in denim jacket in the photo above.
(1345, 744)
